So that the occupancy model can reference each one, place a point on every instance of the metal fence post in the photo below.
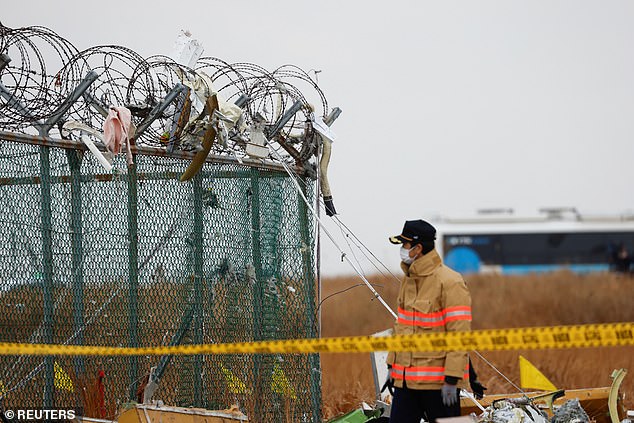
(47, 270)
(258, 284)
(133, 275)
(270, 283)
(74, 163)
(308, 276)
(198, 275)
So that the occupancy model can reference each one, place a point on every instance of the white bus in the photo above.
(501, 242)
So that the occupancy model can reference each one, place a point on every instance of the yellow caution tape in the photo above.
(599, 335)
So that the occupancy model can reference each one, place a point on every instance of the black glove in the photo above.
(477, 388)
(389, 382)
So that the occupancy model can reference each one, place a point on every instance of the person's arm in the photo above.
(477, 388)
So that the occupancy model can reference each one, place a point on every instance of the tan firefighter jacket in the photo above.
(432, 298)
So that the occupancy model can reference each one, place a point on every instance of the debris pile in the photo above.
(516, 410)
(570, 412)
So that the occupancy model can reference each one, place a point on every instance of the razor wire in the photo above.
(39, 70)
(25, 76)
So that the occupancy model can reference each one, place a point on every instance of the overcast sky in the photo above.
(448, 107)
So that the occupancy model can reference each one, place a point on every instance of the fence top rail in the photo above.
(145, 151)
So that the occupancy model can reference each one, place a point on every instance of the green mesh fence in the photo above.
(141, 259)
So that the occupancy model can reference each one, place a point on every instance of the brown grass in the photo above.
(498, 302)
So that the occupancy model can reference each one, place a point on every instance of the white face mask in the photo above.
(405, 255)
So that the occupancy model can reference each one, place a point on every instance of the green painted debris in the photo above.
(358, 416)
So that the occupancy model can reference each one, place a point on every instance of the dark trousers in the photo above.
(410, 405)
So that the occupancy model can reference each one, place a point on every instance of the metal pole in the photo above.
(96, 104)
(133, 276)
(182, 100)
(272, 325)
(74, 163)
(72, 98)
(242, 100)
(159, 109)
(47, 270)
(4, 61)
(332, 116)
(284, 119)
(198, 277)
(14, 103)
(258, 293)
(311, 327)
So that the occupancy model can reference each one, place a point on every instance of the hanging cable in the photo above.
(343, 255)
(499, 372)
(334, 294)
(346, 233)
(338, 220)
(346, 238)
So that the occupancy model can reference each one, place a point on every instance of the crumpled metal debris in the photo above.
(570, 412)
(520, 410)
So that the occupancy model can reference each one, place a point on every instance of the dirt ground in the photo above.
(561, 298)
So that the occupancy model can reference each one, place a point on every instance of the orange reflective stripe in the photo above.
(418, 373)
(437, 318)
(457, 313)
(420, 314)
(419, 368)
(430, 373)
(420, 319)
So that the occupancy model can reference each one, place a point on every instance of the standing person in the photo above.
(432, 298)
(622, 259)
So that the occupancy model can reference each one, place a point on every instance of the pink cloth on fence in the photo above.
(116, 130)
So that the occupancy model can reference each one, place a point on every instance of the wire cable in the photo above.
(499, 372)
(343, 255)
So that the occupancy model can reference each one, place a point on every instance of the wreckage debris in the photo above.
(570, 412)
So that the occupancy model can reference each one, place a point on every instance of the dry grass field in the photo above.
(498, 302)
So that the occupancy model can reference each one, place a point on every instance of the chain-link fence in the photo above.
(137, 258)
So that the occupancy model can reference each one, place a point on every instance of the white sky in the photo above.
(448, 106)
